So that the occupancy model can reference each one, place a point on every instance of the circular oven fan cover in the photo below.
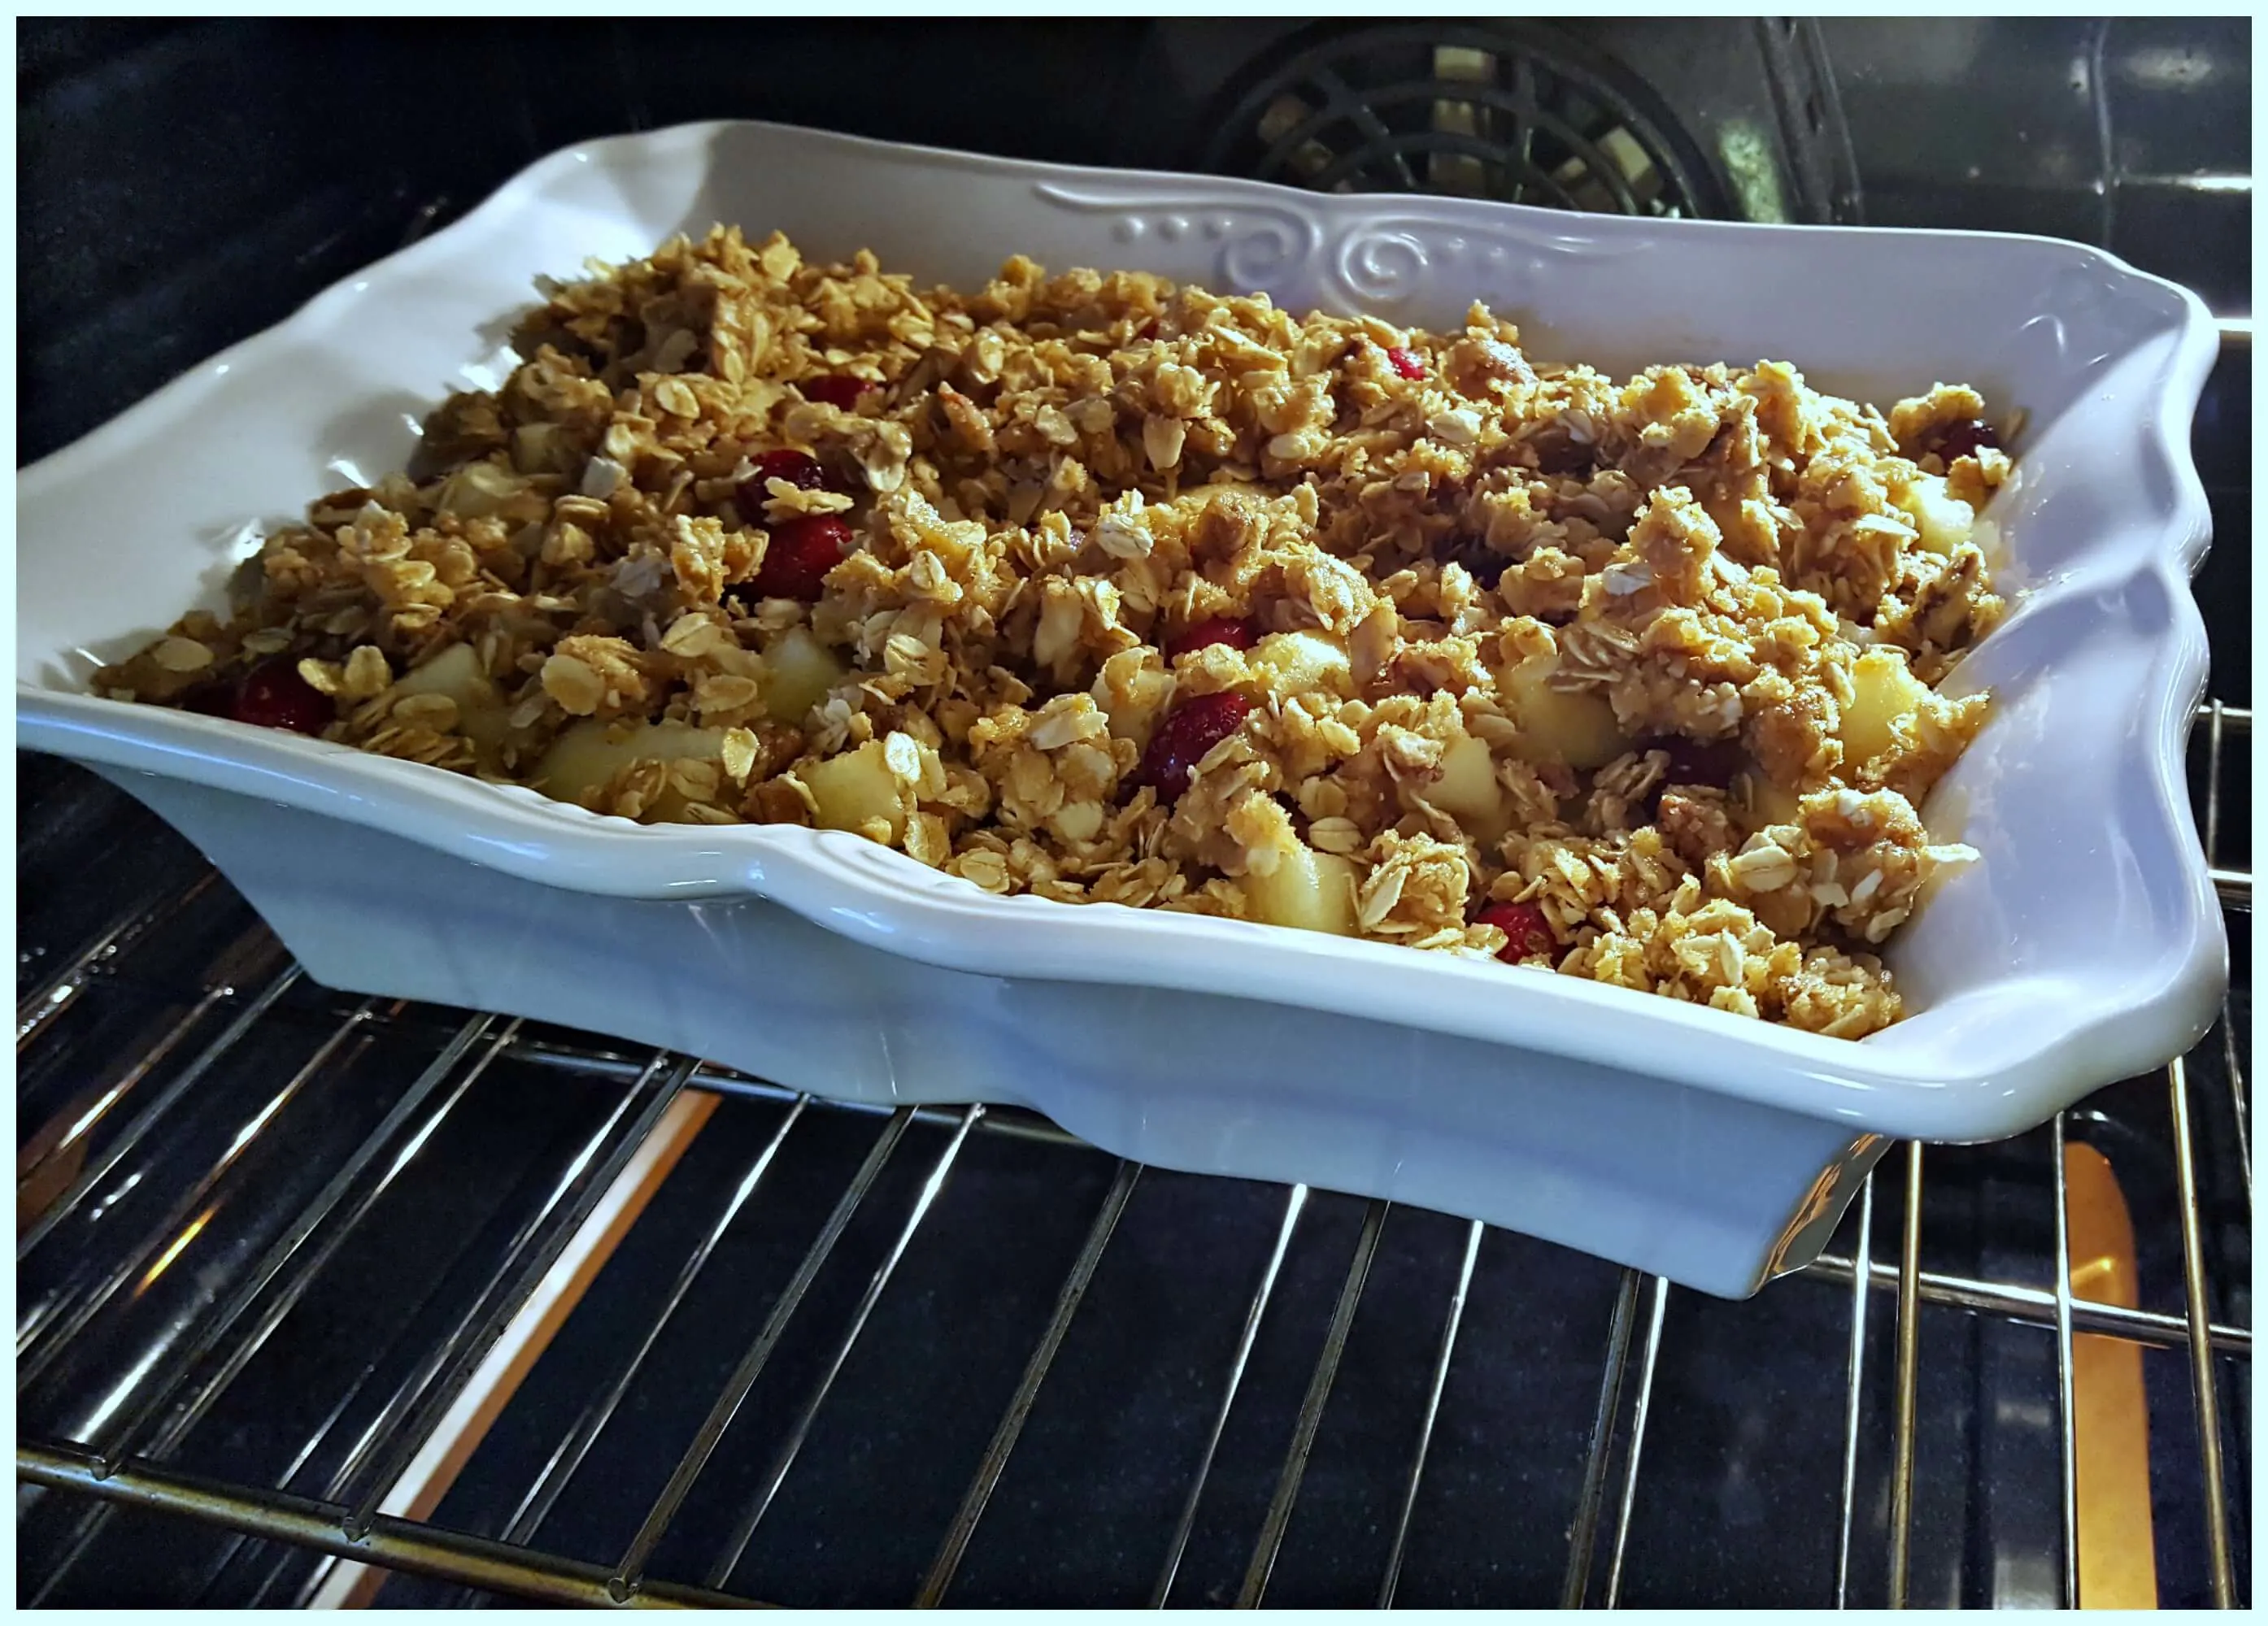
(1518, 113)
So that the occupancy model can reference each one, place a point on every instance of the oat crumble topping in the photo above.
(1108, 590)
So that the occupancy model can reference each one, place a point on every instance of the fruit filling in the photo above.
(1108, 590)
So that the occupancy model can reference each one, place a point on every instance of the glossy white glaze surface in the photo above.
(2086, 945)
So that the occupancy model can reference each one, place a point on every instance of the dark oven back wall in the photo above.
(184, 185)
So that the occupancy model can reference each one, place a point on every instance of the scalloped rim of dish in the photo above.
(887, 900)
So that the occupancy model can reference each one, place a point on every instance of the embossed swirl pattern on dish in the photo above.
(1299, 256)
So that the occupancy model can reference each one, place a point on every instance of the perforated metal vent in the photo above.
(1515, 112)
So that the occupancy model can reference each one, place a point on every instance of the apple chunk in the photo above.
(1313, 891)
(1885, 692)
(481, 718)
(799, 672)
(1305, 662)
(855, 789)
(455, 672)
(1469, 792)
(1577, 728)
(588, 755)
(1770, 804)
(1134, 706)
(1943, 520)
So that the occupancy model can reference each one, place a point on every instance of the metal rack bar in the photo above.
(1451, 1323)
(393, 1437)
(130, 1136)
(294, 1287)
(1583, 1533)
(46, 1337)
(2215, 718)
(1647, 1366)
(592, 1171)
(2036, 1307)
(2235, 1065)
(995, 1462)
(1311, 1410)
(89, 1117)
(1862, 1248)
(2202, 1386)
(1901, 1461)
(401, 1544)
(568, 1455)
(530, 1334)
(744, 1530)
(537, 1242)
(627, 1577)
(281, 1252)
(2067, 1400)
(305, 1454)
(37, 1012)
(1295, 1204)
(2216, 727)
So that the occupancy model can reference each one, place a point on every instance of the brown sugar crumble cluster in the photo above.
(1108, 590)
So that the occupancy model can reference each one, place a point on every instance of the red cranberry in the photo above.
(1960, 440)
(1409, 364)
(838, 389)
(1189, 731)
(273, 694)
(799, 556)
(1238, 634)
(799, 469)
(1526, 930)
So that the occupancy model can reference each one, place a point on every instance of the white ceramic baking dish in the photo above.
(2086, 945)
